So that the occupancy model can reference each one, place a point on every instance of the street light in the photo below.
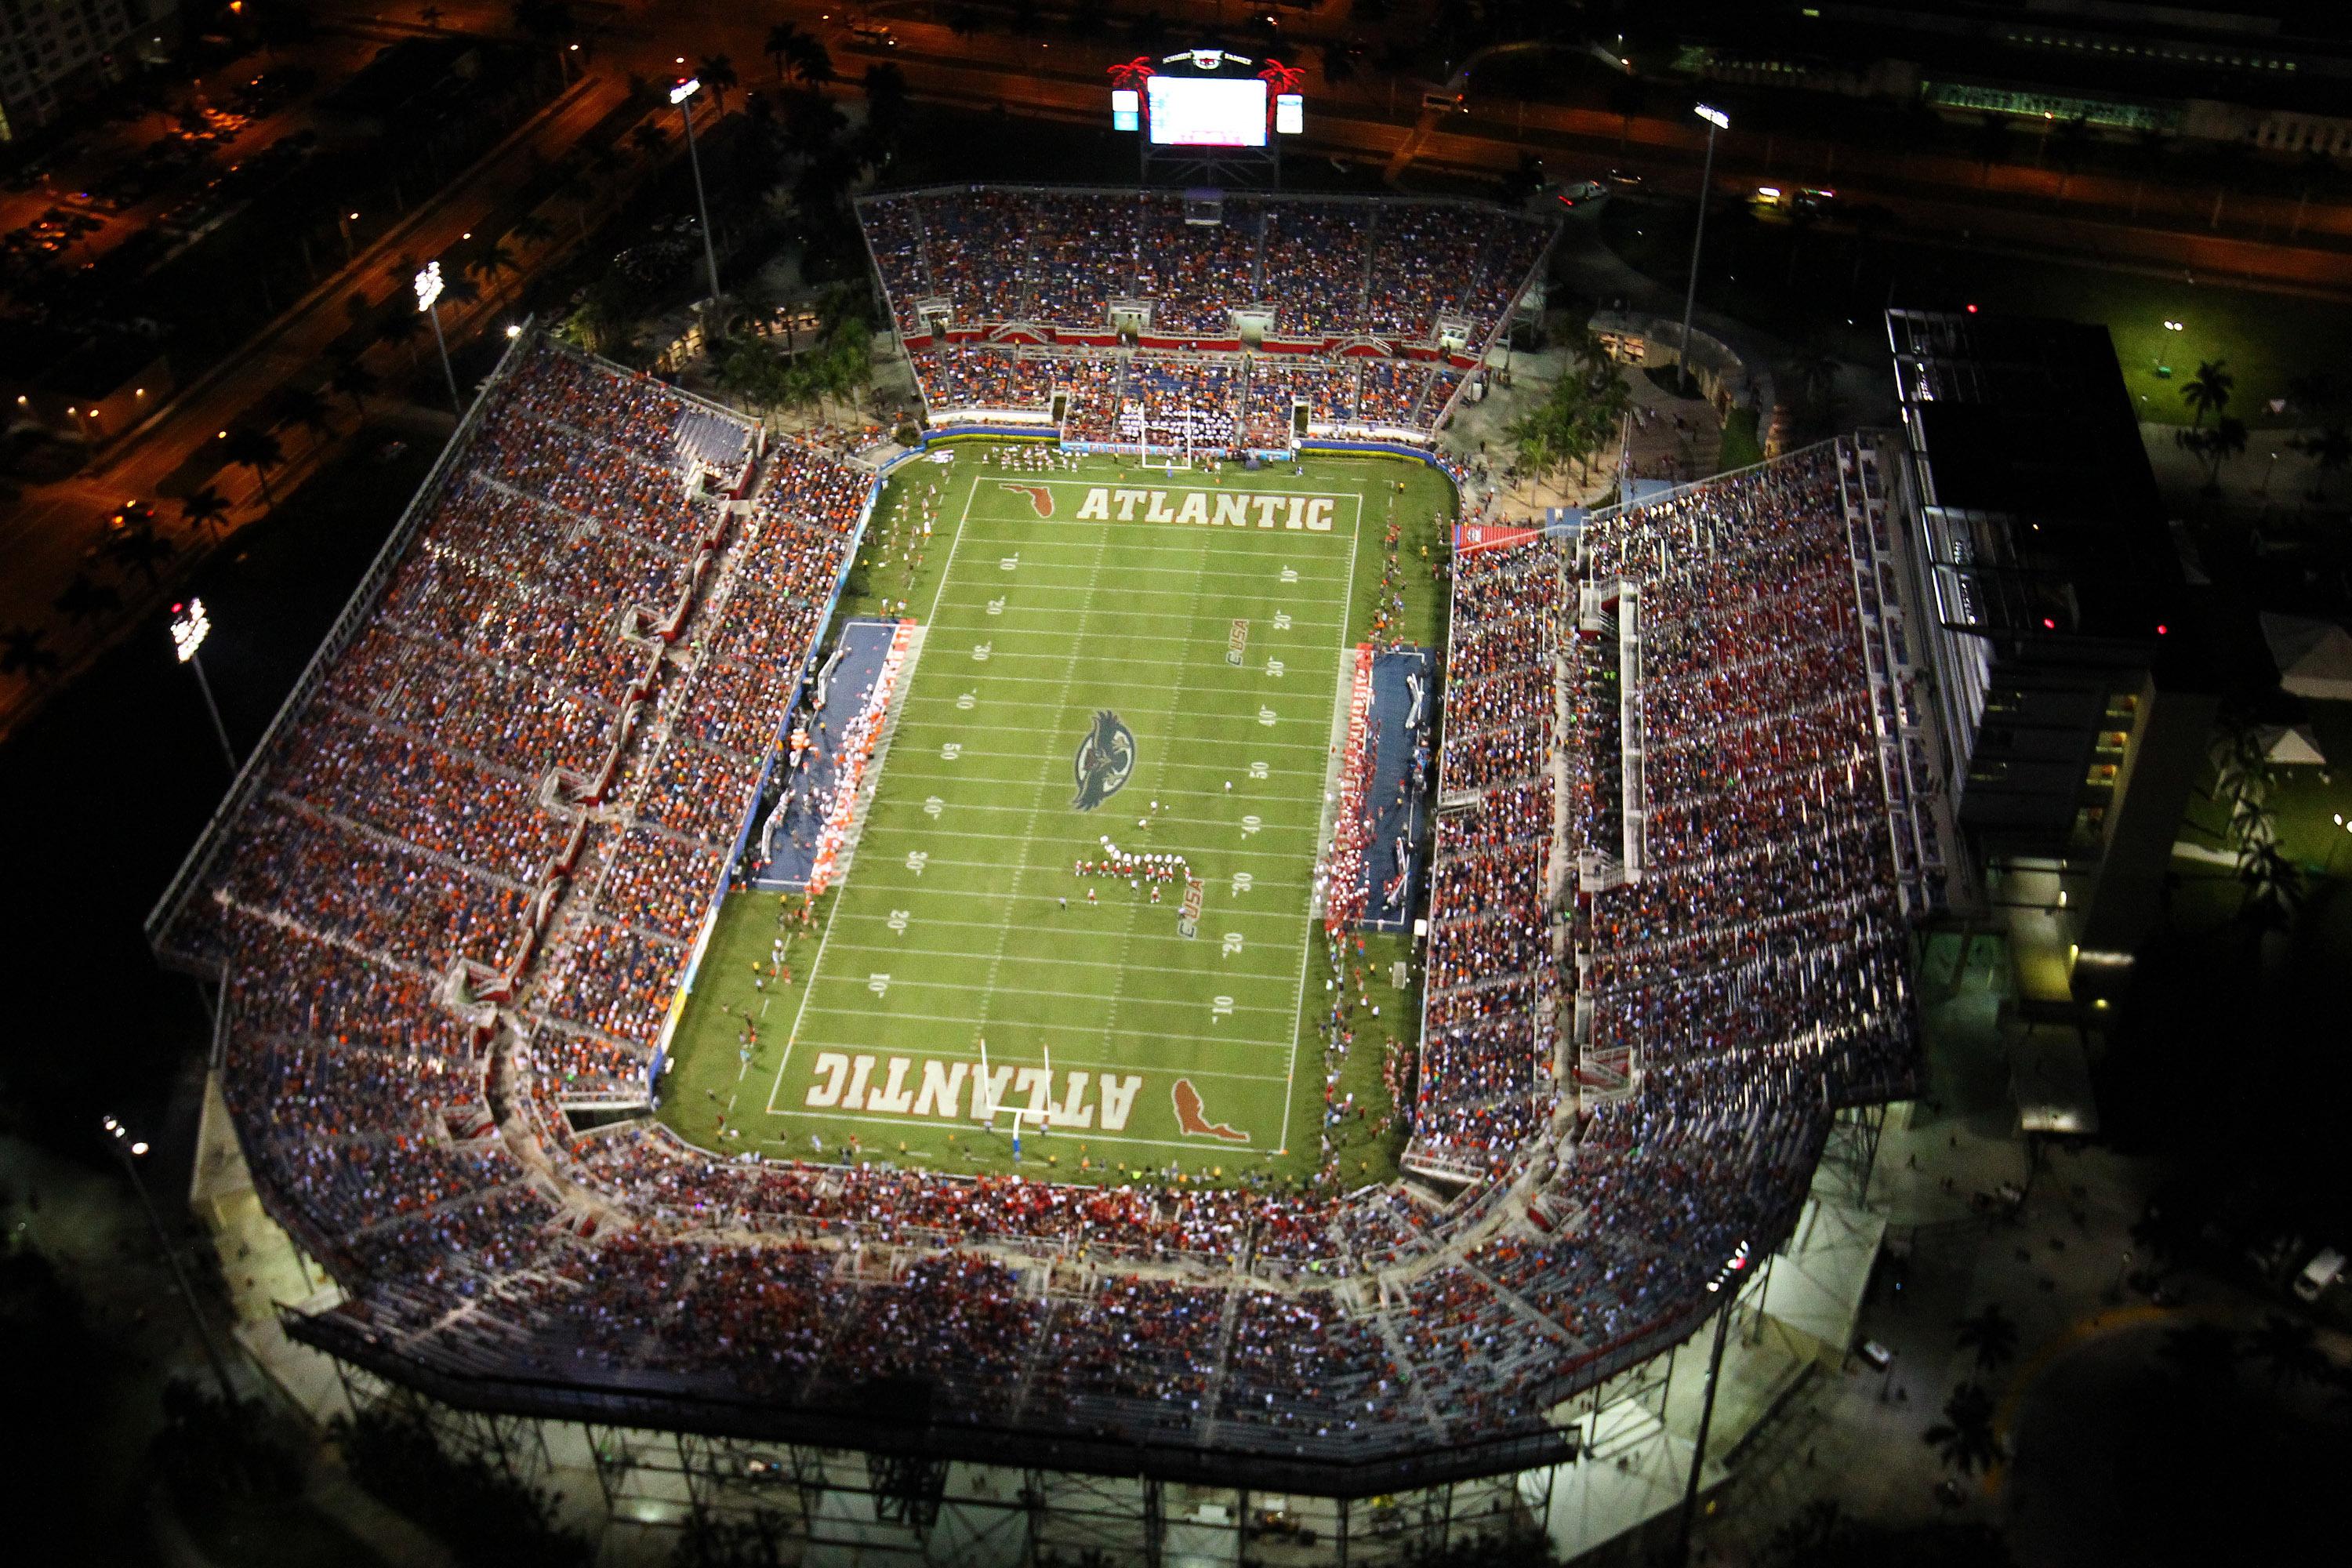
(428, 292)
(130, 1151)
(190, 628)
(682, 94)
(1716, 120)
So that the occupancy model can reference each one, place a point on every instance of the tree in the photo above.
(809, 62)
(784, 38)
(885, 107)
(138, 547)
(2289, 1349)
(966, 20)
(2200, 1354)
(1627, 97)
(1964, 1438)
(752, 373)
(2208, 392)
(404, 327)
(1994, 144)
(717, 72)
(85, 599)
(2149, 151)
(23, 652)
(301, 405)
(352, 379)
(255, 449)
(549, 21)
(531, 229)
(204, 508)
(1992, 1334)
(1524, 183)
(2312, 392)
(2329, 449)
(2069, 145)
(2217, 446)
(490, 264)
(649, 140)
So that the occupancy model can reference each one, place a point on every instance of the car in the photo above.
(1581, 194)
(1624, 180)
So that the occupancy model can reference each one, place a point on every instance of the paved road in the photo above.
(55, 529)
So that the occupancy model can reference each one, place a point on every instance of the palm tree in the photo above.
(1994, 144)
(2208, 392)
(572, 184)
(782, 39)
(1964, 1438)
(717, 72)
(355, 381)
(405, 327)
(2071, 144)
(139, 547)
(885, 103)
(2290, 1349)
(491, 263)
(1992, 1334)
(2329, 449)
(531, 229)
(649, 140)
(809, 63)
(2149, 150)
(301, 405)
(86, 598)
(2200, 1353)
(25, 654)
(2312, 392)
(204, 508)
(257, 449)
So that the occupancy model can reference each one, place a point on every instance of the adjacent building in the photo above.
(47, 48)
(2070, 674)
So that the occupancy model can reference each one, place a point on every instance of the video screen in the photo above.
(1207, 111)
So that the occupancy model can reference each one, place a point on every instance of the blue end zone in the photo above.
(785, 846)
(1399, 767)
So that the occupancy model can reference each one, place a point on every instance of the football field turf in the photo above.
(1075, 681)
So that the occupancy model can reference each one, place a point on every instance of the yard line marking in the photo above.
(1015, 1057)
(1211, 977)
(1090, 1030)
(911, 983)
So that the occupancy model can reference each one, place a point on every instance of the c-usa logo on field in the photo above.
(1105, 757)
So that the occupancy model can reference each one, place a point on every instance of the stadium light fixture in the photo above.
(682, 95)
(428, 297)
(1716, 121)
(129, 1149)
(190, 628)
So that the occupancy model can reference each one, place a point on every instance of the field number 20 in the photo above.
(1232, 943)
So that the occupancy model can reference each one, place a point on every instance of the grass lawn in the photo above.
(961, 919)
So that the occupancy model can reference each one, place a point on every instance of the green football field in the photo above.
(1158, 659)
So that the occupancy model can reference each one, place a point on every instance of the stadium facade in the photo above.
(452, 898)
(2070, 663)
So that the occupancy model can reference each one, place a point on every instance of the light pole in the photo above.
(1727, 1281)
(129, 1150)
(190, 628)
(429, 295)
(1716, 120)
(682, 95)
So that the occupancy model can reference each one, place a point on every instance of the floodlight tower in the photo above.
(190, 628)
(428, 296)
(682, 94)
(1716, 120)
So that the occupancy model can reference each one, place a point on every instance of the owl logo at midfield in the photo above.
(1105, 759)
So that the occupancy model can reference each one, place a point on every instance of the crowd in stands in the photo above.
(1305, 271)
(406, 862)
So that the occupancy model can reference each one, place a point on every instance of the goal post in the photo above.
(1006, 1117)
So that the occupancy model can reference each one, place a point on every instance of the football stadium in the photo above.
(1136, 933)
